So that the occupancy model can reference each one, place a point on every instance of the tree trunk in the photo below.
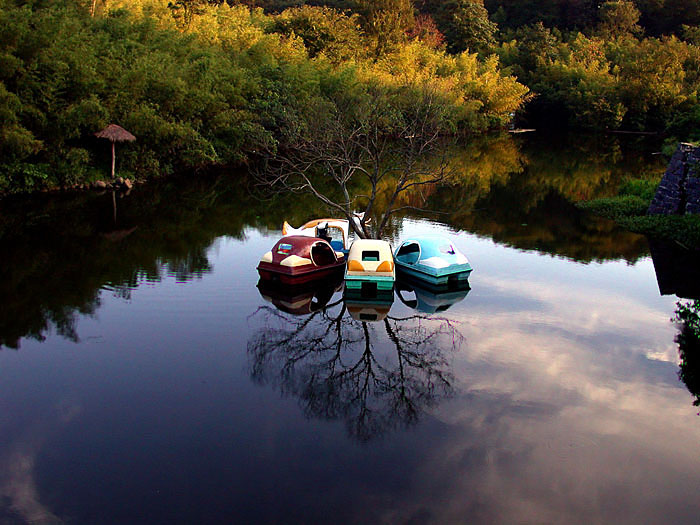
(356, 225)
(112, 159)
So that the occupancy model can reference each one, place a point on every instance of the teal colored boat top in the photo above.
(432, 255)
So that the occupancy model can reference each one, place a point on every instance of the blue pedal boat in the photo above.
(434, 260)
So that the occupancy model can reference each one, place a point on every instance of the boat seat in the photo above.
(322, 254)
(409, 253)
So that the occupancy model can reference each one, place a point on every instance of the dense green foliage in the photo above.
(212, 82)
(608, 82)
(201, 84)
(688, 339)
(620, 64)
(657, 17)
(190, 103)
(629, 210)
(466, 25)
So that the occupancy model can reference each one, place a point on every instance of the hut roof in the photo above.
(115, 134)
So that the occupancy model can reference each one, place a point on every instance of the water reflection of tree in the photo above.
(526, 199)
(59, 252)
(688, 339)
(374, 376)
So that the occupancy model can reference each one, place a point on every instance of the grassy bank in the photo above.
(629, 209)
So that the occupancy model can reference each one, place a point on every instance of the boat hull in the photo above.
(298, 275)
(379, 282)
(439, 277)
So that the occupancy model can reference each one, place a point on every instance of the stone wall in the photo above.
(679, 190)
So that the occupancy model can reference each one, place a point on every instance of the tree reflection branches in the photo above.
(375, 376)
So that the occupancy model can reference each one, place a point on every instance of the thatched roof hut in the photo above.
(115, 133)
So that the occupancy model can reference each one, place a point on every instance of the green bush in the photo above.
(629, 210)
(617, 207)
(642, 188)
(607, 82)
(213, 86)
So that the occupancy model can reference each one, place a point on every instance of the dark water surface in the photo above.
(144, 378)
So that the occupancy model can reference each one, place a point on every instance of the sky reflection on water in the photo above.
(566, 407)
(570, 397)
(151, 389)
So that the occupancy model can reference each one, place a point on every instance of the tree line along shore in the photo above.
(203, 84)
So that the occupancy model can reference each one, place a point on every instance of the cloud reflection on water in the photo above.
(557, 414)
(20, 500)
(562, 416)
(567, 405)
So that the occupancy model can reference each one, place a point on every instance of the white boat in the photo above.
(336, 231)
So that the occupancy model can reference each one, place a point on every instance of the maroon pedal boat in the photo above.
(298, 259)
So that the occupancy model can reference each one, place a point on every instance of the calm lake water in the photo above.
(144, 378)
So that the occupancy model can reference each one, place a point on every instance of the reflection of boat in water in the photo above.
(370, 266)
(434, 260)
(430, 299)
(300, 299)
(298, 259)
(375, 377)
(367, 311)
(368, 305)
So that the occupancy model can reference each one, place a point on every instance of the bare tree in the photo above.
(340, 368)
(361, 154)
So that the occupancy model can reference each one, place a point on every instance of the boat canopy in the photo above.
(413, 251)
(370, 250)
(310, 229)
